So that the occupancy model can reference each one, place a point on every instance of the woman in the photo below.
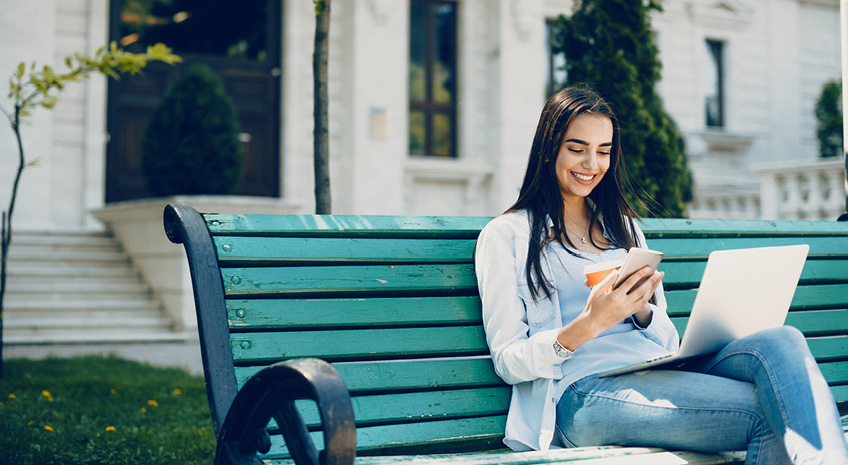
(549, 333)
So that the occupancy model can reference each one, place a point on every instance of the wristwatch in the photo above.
(561, 351)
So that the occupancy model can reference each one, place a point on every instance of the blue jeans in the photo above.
(763, 393)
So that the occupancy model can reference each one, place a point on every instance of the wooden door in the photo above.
(241, 41)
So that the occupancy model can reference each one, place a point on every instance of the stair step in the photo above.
(64, 323)
(49, 271)
(51, 238)
(69, 282)
(47, 315)
(98, 256)
(62, 286)
(128, 304)
(96, 337)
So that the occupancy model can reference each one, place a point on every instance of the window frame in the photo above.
(430, 107)
(712, 45)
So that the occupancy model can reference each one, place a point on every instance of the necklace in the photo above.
(582, 238)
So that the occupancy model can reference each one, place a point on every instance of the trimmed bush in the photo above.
(829, 120)
(191, 145)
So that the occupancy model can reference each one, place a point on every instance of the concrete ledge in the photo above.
(137, 225)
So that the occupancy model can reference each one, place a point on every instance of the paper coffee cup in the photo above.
(597, 272)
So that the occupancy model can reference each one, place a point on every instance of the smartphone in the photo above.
(635, 260)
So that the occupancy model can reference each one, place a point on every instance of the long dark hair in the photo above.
(540, 192)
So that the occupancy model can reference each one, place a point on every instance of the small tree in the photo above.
(30, 88)
(609, 45)
(321, 99)
(829, 120)
(191, 145)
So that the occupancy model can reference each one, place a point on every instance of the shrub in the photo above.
(829, 120)
(608, 45)
(191, 145)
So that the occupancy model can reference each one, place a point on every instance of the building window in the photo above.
(432, 78)
(555, 74)
(714, 83)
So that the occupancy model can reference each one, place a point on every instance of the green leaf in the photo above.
(21, 69)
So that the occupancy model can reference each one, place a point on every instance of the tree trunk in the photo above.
(321, 133)
(6, 229)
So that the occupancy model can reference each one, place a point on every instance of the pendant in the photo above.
(583, 239)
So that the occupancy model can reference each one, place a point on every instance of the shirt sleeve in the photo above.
(517, 357)
(660, 326)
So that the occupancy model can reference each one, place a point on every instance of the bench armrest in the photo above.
(271, 393)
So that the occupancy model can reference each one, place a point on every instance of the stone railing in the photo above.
(802, 189)
(728, 204)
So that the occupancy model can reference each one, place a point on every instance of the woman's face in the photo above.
(584, 156)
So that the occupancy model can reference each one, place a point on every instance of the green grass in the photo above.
(96, 410)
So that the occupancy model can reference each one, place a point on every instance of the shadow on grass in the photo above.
(102, 410)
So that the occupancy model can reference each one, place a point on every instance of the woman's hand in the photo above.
(607, 307)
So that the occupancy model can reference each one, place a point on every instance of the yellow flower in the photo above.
(152, 403)
(12, 396)
(178, 391)
(45, 393)
(143, 410)
(48, 428)
(113, 391)
(31, 422)
(110, 428)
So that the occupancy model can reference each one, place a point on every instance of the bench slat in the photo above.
(682, 275)
(681, 227)
(829, 348)
(682, 248)
(358, 344)
(398, 375)
(306, 313)
(822, 296)
(809, 322)
(239, 249)
(246, 282)
(819, 322)
(426, 434)
(836, 373)
(610, 455)
(840, 393)
(346, 225)
(346, 313)
(406, 407)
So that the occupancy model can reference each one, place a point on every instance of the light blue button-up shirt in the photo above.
(521, 332)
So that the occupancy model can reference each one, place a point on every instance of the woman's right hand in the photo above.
(607, 306)
(606, 309)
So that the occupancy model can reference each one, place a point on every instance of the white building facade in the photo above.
(775, 56)
(443, 130)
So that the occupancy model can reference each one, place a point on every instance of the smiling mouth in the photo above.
(583, 177)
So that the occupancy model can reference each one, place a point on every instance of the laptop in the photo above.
(743, 291)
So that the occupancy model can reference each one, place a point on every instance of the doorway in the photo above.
(241, 41)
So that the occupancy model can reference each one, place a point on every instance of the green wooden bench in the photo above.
(391, 303)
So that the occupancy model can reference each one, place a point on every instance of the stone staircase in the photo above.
(77, 289)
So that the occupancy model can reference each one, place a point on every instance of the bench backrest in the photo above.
(392, 303)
